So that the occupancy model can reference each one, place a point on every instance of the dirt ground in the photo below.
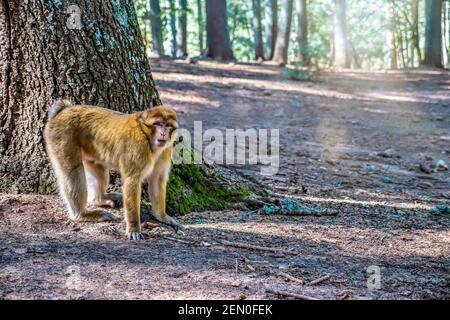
(350, 141)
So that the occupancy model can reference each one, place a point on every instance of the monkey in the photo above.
(85, 142)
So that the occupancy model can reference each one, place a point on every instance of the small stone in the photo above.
(441, 165)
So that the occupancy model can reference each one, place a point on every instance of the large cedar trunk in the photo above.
(280, 54)
(46, 54)
(217, 35)
(433, 33)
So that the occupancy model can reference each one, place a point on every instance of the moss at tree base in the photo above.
(196, 187)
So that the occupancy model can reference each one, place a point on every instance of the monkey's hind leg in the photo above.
(97, 177)
(71, 177)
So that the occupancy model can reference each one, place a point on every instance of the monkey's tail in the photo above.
(58, 106)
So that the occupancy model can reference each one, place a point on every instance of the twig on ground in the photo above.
(319, 280)
(177, 240)
(289, 294)
(253, 247)
(290, 278)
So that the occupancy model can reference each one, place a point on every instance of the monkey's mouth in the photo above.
(161, 141)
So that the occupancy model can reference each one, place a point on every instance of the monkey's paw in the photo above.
(171, 222)
(135, 236)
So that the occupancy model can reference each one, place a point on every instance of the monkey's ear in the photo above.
(144, 116)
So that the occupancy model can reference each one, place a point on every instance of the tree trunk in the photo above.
(302, 32)
(200, 25)
(157, 36)
(390, 56)
(257, 29)
(415, 31)
(92, 55)
(433, 36)
(217, 36)
(280, 54)
(182, 30)
(271, 27)
(173, 28)
(341, 57)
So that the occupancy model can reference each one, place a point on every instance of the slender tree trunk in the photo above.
(433, 35)
(302, 32)
(257, 29)
(88, 52)
(156, 23)
(182, 30)
(274, 31)
(390, 58)
(271, 27)
(280, 54)
(173, 27)
(415, 33)
(341, 54)
(200, 24)
(217, 38)
(401, 47)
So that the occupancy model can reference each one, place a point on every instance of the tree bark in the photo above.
(284, 29)
(433, 33)
(157, 36)
(182, 30)
(302, 32)
(341, 56)
(257, 29)
(218, 38)
(200, 25)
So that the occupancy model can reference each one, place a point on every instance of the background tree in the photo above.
(390, 61)
(156, 26)
(433, 35)
(302, 31)
(173, 27)
(182, 29)
(341, 57)
(284, 29)
(270, 27)
(218, 39)
(200, 25)
(257, 29)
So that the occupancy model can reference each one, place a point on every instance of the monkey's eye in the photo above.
(157, 124)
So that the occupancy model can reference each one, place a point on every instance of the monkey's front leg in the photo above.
(132, 200)
(157, 191)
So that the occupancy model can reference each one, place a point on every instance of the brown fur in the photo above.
(89, 141)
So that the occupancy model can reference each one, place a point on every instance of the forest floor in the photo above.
(350, 141)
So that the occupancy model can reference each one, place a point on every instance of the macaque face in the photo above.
(161, 123)
(162, 132)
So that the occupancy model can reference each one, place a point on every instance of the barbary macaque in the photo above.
(85, 142)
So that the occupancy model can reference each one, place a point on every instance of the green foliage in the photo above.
(296, 73)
